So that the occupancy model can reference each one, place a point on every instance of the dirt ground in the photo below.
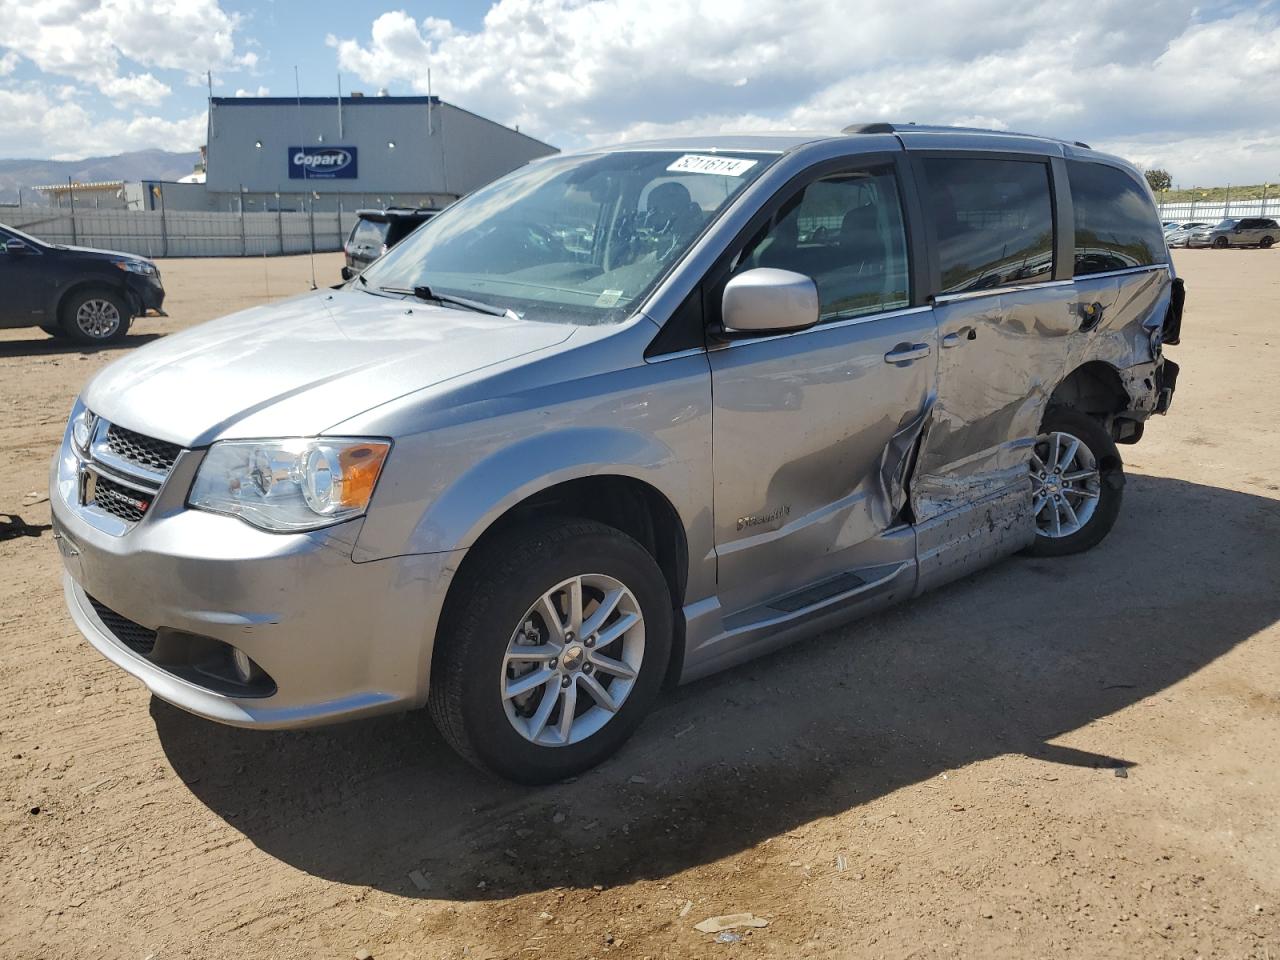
(943, 780)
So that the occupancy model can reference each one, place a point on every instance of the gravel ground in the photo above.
(941, 780)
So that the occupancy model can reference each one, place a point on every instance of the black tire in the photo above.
(499, 584)
(1098, 442)
(82, 334)
(1266, 242)
(1221, 243)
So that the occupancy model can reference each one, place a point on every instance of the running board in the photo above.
(813, 599)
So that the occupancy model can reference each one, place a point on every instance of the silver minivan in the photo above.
(619, 420)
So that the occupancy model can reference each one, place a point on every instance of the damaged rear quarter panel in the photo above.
(1133, 306)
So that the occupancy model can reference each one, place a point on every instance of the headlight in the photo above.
(143, 267)
(289, 485)
(82, 426)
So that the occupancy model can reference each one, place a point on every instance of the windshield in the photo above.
(571, 239)
(1226, 223)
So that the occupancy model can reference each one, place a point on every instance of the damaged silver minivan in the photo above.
(621, 419)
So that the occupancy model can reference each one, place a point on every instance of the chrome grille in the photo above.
(148, 452)
(133, 635)
(118, 500)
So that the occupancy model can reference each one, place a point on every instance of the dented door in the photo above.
(812, 435)
(1001, 356)
(1004, 322)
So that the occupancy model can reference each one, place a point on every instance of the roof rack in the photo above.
(869, 128)
(882, 127)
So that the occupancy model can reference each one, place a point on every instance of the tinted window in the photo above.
(845, 231)
(1116, 225)
(994, 221)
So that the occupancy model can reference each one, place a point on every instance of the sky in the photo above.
(1191, 87)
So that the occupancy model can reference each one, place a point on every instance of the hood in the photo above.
(96, 254)
(297, 367)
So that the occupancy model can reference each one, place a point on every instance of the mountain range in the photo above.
(138, 165)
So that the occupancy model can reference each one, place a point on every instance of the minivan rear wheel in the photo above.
(552, 648)
(1266, 242)
(1077, 481)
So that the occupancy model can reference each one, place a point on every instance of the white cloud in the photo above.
(36, 123)
(8, 63)
(1160, 76)
(260, 92)
(89, 41)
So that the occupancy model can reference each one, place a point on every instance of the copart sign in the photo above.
(322, 163)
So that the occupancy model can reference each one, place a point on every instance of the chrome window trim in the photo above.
(819, 327)
(1168, 268)
(678, 355)
(996, 291)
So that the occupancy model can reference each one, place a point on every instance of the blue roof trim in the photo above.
(318, 101)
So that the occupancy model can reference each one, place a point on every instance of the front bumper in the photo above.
(335, 639)
(147, 294)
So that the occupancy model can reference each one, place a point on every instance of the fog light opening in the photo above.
(245, 668)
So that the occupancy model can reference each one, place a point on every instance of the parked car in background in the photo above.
(86, 295)
(1178, 237)
(622, 419)
(1245, 232)
(377, 231)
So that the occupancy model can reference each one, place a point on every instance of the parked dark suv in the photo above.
(89, 296)
(377, 231)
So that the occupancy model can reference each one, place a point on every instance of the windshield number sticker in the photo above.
(721, 166)
(609, 298)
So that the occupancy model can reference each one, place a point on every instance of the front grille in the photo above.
(157, 455)
(120, 501)
(133, 635)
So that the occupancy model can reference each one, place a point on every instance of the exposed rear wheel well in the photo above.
(1094, 388)
(624, 503)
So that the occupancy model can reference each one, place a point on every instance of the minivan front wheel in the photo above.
(552, 649)
(1077, 483)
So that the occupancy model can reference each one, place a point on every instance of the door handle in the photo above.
(906, 352)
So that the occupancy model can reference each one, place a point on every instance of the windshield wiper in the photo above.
(426, 293)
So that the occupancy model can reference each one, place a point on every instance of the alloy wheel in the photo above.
(573, 660)
(1065, 484)
(98, 318)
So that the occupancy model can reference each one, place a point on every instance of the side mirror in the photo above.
(13, 246)
(766, 300)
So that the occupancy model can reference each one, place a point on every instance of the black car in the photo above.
(89, 296)
(377, 231)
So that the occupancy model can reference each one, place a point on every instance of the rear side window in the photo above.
(993, 220)
(1116, 225)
